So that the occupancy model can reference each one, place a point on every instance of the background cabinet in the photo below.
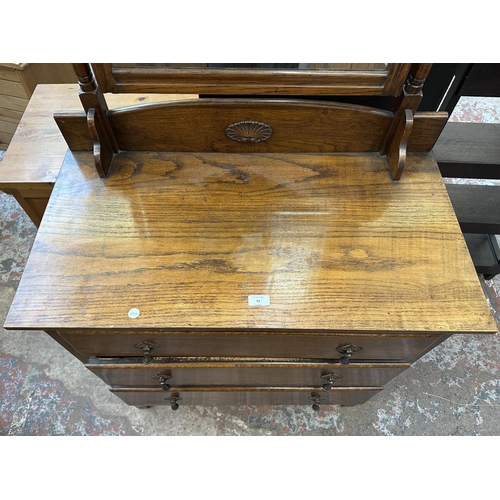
(471, 151)
(17, 83)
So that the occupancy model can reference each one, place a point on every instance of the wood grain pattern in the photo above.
(298, 126)
(396, 153)
(33, 74)
(32, 201)
(411, 92)
(334, 243)
(426, 129)
(104, 145)
(10, 88)
(247, 396)
(259, 82)
(10, 115)
(17, 82)
(37, 150)
(14, 103)
(284, 372)
(96, 108)
(8, 127)
(283, 343)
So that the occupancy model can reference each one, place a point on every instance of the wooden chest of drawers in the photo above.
(211, 278)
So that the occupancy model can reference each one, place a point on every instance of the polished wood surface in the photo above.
(96, 109)
(153, 267)
(346, 396)
(426, 130)
(32, 163)
(155, 78)
(186, 238)
(281, 343)
(200, 125)
(209, 124)
(285, 372)
(36, 152)
(396, 152)
(17, 83)
(298, 126)
(175, 117)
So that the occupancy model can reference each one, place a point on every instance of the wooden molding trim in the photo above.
(222, 81)
(427, 127)
(200, 125)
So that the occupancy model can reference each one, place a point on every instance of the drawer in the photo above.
(215, 372)
(143, 397)
(406, 348)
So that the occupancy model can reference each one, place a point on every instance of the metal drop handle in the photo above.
(316, 401)
(330, 380)
(347, 351)
(173, 402)
(146, 347)
(162, 378)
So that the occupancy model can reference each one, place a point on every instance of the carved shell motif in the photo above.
(249, 131)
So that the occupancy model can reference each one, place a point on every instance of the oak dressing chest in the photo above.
(249, 251)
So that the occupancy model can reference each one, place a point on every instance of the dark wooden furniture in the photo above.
(472, 150)
(197, 125)
(214, 273)
(254, 79)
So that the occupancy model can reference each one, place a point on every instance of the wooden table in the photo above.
(35, 154)
(17, 83)
(212, 278)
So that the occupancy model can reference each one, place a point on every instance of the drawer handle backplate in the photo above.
(347, 351)
(330, 380)
(162, 378)
(316, 401)
(146, 347)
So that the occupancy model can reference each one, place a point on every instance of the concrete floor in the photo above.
(452, 391)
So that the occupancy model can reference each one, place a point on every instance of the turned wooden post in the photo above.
(411, 94)
(405, 107)
(94, 103)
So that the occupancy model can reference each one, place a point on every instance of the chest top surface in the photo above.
(186, 238)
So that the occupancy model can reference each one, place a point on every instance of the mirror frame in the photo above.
(298, 82)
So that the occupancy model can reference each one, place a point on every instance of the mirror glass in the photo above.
(259, 66)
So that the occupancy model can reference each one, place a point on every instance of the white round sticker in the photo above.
(134, 313)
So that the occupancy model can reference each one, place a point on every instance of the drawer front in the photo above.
(133, 372)
(373, 347)
(246, 396)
